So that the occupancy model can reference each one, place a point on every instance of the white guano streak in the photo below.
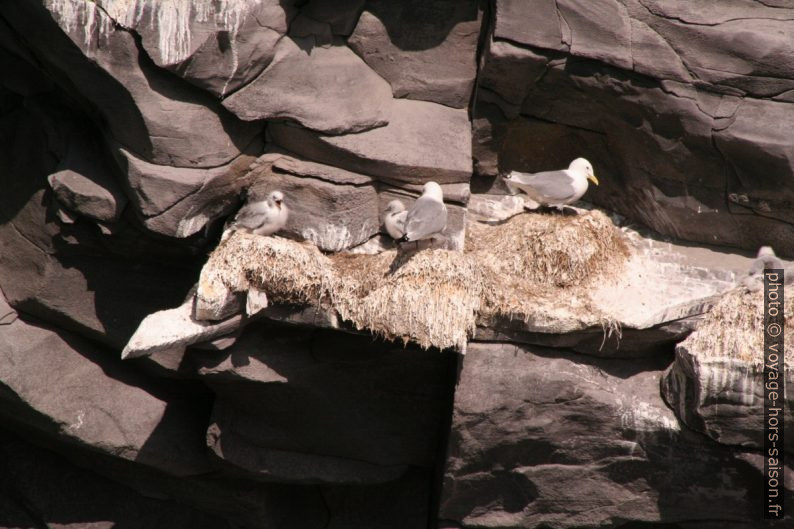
(169, 19)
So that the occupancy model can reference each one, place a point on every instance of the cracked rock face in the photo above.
(425, 50)
(131, 130)
(670, 107)
(327, 89)
(535, 431)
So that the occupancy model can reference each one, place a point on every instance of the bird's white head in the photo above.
(766, 251)
(395, 206)
(433, 190)
(583, 167)
(277, 197)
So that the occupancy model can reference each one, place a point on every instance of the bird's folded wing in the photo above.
(426, 217)
(253, 216)
(553, 185)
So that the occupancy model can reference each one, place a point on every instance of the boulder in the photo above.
(327, 89)
(723, 398)
(86, 184)
(426, 50)
(548, 438)
(717, 382)
(67, 394)
(423, 141)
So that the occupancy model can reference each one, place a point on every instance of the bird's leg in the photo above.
(568, 212)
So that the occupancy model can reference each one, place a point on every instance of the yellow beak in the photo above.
(593, 178)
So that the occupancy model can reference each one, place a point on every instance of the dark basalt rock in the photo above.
(67, 394)
(328, 89)
(547, 438)
(130, 131)
(331, 408)
(423, 141)
(425, 49)
(41, 489)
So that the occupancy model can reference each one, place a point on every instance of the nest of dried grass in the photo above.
(734, 328)
(289, 272)
(435, 298)
(429, 297)
(549, 260)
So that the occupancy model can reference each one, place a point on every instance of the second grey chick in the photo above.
(260, 217)
(765, 260)
(394, 219)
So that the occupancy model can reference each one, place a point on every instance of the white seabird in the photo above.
(260, 217)
(553, 188)
(766, 260)
(394, 219)
(427, 218)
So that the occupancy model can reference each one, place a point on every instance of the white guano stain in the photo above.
(78, 423)
(644, 417)
(171, 20)
(336, 237)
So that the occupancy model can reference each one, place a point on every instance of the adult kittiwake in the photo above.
(427, 218)
(553, 188)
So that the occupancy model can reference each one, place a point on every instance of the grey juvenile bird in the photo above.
(765, 260)
(553, 188)
(261, 217)
(427, 218)
(394, 219)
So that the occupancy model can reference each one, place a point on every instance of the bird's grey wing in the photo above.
(762, 263)
(251, 216)
(425, 218)
(554, 185)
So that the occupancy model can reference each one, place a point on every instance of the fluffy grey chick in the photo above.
(394, 219)
(765, 260)
(427, 218)
(261, 217)
(553, 188)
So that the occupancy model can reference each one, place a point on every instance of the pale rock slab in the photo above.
(423, 141)
(175, 329)
(327, 89)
